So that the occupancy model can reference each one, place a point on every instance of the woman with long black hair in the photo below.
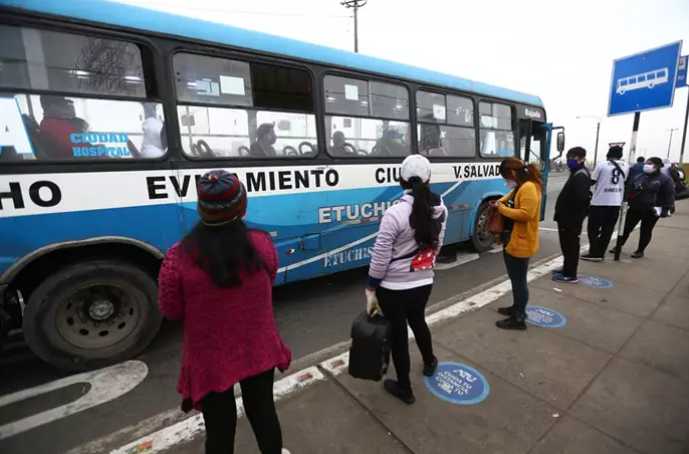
(401, 271)
(218, 280)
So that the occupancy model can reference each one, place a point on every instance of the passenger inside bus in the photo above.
(390, 144)
(265, 139)
(430, 140)
(59, 121)
(152, 145)
(340, 147)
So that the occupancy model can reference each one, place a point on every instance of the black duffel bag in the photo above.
(369, 355)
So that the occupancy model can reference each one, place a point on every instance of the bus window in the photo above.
(212, 80)
(389, 101)
(58, 127)
(263, 111)
(460, 111)
(446, 125)
(35, 59)
(497, 136)
(367, 118)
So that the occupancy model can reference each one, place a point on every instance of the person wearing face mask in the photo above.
(651, 197)
(526, 194)
(570, 210)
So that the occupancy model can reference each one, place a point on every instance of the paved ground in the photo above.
(614, 379)
(312, 316)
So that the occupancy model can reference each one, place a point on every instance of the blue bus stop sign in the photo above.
(644, 81)
(458, 384)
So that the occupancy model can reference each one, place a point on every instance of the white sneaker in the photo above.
(285, 451)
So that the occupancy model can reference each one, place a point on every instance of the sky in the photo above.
(559, 50)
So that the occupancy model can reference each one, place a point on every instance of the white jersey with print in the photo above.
(609, 188)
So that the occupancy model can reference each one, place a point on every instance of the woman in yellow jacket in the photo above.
(525, 179)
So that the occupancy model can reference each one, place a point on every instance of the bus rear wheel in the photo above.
(482, 239)
(92, 314)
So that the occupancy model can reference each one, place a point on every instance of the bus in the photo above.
(110, 113)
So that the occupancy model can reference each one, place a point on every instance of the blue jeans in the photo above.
(516, 270)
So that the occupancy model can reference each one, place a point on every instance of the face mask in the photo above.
(511, 184)
(649, 168)
(573, 164)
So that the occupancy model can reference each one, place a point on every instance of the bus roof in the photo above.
(122, 15)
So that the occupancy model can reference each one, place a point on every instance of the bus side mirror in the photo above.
(561, 141)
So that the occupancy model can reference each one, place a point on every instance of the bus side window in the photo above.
(234, 109)
(366, 118)
(497, 136)
(446, 125)
(81, 124)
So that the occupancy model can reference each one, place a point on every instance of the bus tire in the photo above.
(482, 239)
(92, 314)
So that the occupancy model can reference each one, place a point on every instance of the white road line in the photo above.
(106, 384)
(141, 429)
(187, 429)
(547, 229)
(461, 260)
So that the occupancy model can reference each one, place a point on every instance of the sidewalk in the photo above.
(613, 379)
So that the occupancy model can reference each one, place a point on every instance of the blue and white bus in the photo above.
(109, 113)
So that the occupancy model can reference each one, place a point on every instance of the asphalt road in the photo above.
(312, 316)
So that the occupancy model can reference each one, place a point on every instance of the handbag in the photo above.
(369, 355)
(496, 221)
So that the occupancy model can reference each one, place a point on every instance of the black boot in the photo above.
(506, 311)
(405, 395)
(429, 369)
(511, 323)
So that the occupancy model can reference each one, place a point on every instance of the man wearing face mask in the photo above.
(651, 197)
(570, 210)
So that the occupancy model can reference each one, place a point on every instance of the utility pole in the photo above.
(684, 133)
(356, 4)
(670, 143)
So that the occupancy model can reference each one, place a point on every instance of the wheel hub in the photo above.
(97, 315)
(101, 310)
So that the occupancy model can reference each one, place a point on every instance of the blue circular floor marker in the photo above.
(596, 282)
(544, 317)
(458, 384)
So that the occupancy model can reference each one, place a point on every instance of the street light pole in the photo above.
(598, 121)
(356, 4)
(670, 143)
(595, 153)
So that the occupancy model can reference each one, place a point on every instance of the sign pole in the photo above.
(623, 207)
(684, 134)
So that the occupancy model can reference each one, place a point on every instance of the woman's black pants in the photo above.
(517, 269)
(220, 416)
(401, 307)
(648, 222)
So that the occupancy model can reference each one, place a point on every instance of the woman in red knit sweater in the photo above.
(218, 281)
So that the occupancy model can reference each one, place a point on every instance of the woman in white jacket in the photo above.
(401, 270)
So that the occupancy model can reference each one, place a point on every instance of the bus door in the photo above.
(535, 140)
